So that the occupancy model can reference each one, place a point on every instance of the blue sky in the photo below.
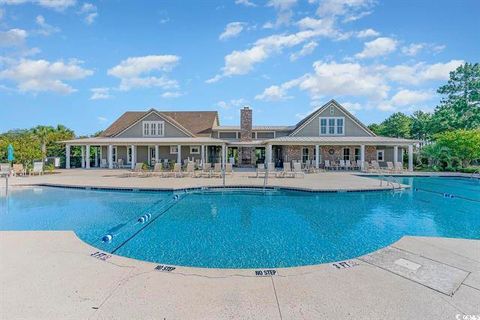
(83, 64)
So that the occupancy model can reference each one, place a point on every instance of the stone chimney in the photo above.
(246, 124)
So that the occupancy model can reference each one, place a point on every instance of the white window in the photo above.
(173, 149)
(332, 126)
(129, 154)
(194, 150)
(380, 155)
(153, 128)
(305, 154)
(357, 154)
(346, 153)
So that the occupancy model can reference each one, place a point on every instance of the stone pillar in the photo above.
(110, 156)
(362, 157)
(134, 156)
(83, 156)
(395, 154)
(202, 154)
(223, 156)
(87, 156)
(96, 157)
(156, 153)
(179, 154)
(410, 157)
(67, 156)
(100, 154)
(317, 156)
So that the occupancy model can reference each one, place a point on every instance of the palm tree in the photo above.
(43, 133)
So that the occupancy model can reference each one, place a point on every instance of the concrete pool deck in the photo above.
(324, 181)
(54, 275)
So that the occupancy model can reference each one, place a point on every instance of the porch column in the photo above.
(223, 156)
(269, 154)
(410, 157)
(83, 156)
(96, 157)
(100, 154)
(202, 154)
(317, 156)
(110, 156)
(87, 156)
(156, 153)
(134, 156)
(395, 154)
(362, 157)
(179, 154)
(67, 156)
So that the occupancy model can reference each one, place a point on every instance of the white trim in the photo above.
(198, 150)
(382, 151)
(173, 148)
(327, 128)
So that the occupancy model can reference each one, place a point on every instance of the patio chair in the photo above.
(177, 170)
(103, 163)
(5, 169)
(398, 167)
(137, 170)
(190, 171)
(348, 165)
(390, 167)
(271, 168)
(297, 170)
(342, 165)
(375, 166)
(260, 169)
(229, 168)
(328, 166)
(217, 170)
(354, 165)
(206, 170)
(157, 170)
(18, 170)
(286, 172)
(37, 168)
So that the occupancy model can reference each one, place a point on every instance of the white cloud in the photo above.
(58, 5)
(231, 103)
(284, 11)
(367, 33)
(378, 47)
(246, 3)
(407, 97)
(2, 13)
(133, 72)
(45, 28)
(352, 107)
(172, 94)
(306, 50)
(42, 75)
(351, 9)
(89, 11)
(242, 62)
(413, 49)
(232, 30)
(100, 93)
(13, 38)
(421, 72)
(102, 119)
(273, 93)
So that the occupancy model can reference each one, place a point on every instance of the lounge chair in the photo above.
(342, 165)
(297, 170)
(348, 165)
(286, 172)
(328, 166)
(398, 167)
(177, 170)
(5, 169)
(354, 165)
(157, 170)
(206, 170)
(37, 168)
(18, 170)
(103, 163)
(228, 168)
(390, 167)
(271, 168)
(217, 170)
(190, 171)
(260, 169)
(375, 166)
(137, 170)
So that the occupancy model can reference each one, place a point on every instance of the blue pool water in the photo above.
(249, 228)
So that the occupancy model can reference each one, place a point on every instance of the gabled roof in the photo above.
(192, 122)
(312, 115)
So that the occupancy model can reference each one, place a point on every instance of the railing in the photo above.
(390, 180)
(475, 174)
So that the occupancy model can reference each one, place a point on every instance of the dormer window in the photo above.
(153, 128)
(332, 125)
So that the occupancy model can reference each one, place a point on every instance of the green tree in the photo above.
(463, 144)
(398, 125)
(43, 133)
(460, 106)
(376, 128)
(421, 125)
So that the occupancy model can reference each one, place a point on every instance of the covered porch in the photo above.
(115, 153)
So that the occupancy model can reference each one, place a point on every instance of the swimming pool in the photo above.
(248, 228)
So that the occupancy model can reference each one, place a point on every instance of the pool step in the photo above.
(432, 274)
